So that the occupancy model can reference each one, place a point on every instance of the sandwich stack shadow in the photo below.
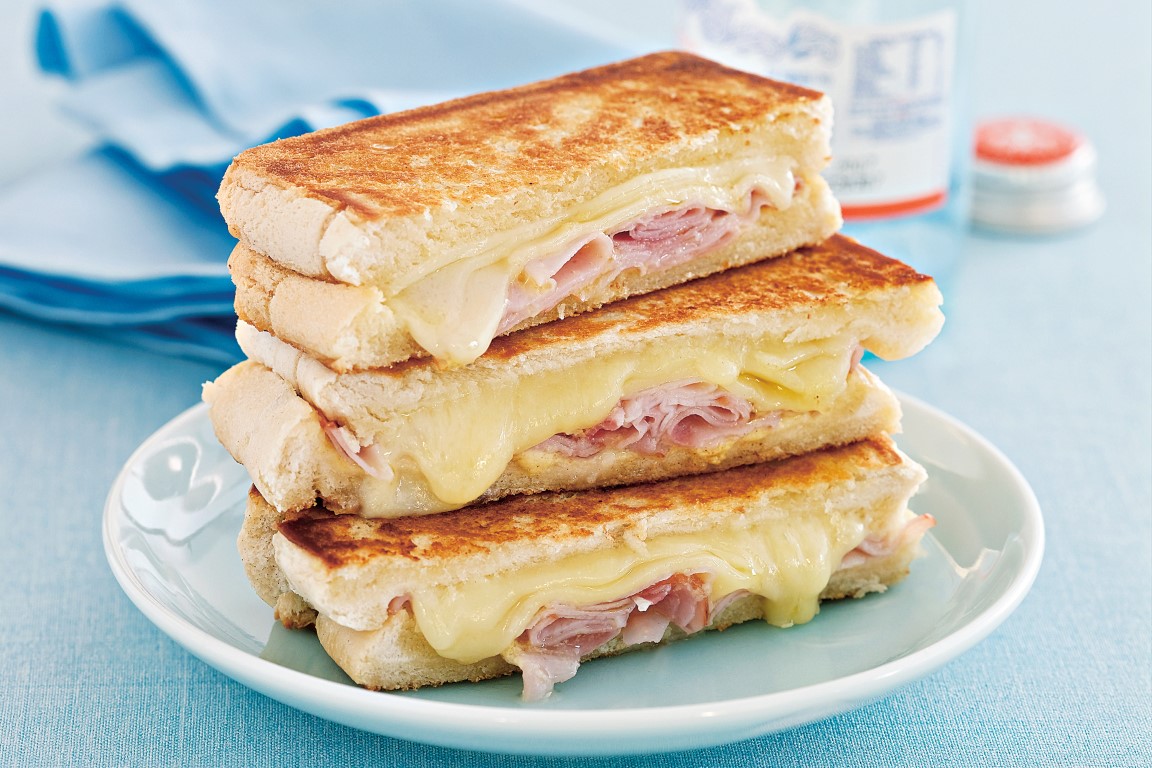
(563, 371)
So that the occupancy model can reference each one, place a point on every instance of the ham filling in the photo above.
(883, 546)
(652, 243)
(549, 651)
(691, 413)
(367, 457)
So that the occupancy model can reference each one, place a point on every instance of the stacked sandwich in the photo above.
(562, 371)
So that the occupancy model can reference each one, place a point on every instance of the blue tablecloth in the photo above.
(1048, 353)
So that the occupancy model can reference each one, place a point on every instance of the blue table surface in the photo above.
(1047, 352)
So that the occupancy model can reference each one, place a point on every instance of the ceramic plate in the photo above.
(170, 527)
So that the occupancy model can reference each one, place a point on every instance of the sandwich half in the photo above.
(429, 232)
(539, 584)
(746, 365)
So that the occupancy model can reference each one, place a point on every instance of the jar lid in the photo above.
(1033, 176)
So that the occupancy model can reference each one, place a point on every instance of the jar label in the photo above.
(890, 83)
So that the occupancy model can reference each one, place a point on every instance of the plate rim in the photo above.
(727, 719)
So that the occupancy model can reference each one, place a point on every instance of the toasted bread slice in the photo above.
(428, 600)
(461, 216)
(780, 336)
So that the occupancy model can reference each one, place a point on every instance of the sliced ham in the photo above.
(673, 237)
(580, 629)
(569, 271)
(719, 606)
(549, 651)
(657, 241)
(367, 457)
(686, 603)
(644, 627)
(399, 603)
(542, 670)
(874, 546)
(689, 413)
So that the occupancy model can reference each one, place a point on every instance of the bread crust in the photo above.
(277, 437)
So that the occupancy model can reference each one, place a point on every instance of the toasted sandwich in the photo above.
(746, 365)
(541, 583)
(429, 232)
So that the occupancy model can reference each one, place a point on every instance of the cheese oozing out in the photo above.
(456, 309)
(786, 562)
(446, 451)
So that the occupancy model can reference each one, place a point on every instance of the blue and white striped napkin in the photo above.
(128, 237)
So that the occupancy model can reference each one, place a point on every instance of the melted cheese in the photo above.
(453, 311)
(785, 562)
(446, 454)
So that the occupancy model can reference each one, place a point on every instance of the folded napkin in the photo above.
(128, 237)
(98, 242)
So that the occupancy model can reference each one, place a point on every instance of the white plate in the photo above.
(169, 532)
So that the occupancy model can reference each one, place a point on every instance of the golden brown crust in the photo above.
(485, 145)
(348, 540)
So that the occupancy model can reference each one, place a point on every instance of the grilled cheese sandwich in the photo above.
(768, 349)
(469, 590)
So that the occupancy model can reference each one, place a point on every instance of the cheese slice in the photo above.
(442, 455)
(453, 311)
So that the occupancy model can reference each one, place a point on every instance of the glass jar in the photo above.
(895, 72)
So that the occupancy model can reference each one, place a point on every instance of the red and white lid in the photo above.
(1025, 142)
(1033, 176)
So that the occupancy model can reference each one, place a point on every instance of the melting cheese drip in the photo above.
(785, 562)
(454, 311)
(446, 454)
